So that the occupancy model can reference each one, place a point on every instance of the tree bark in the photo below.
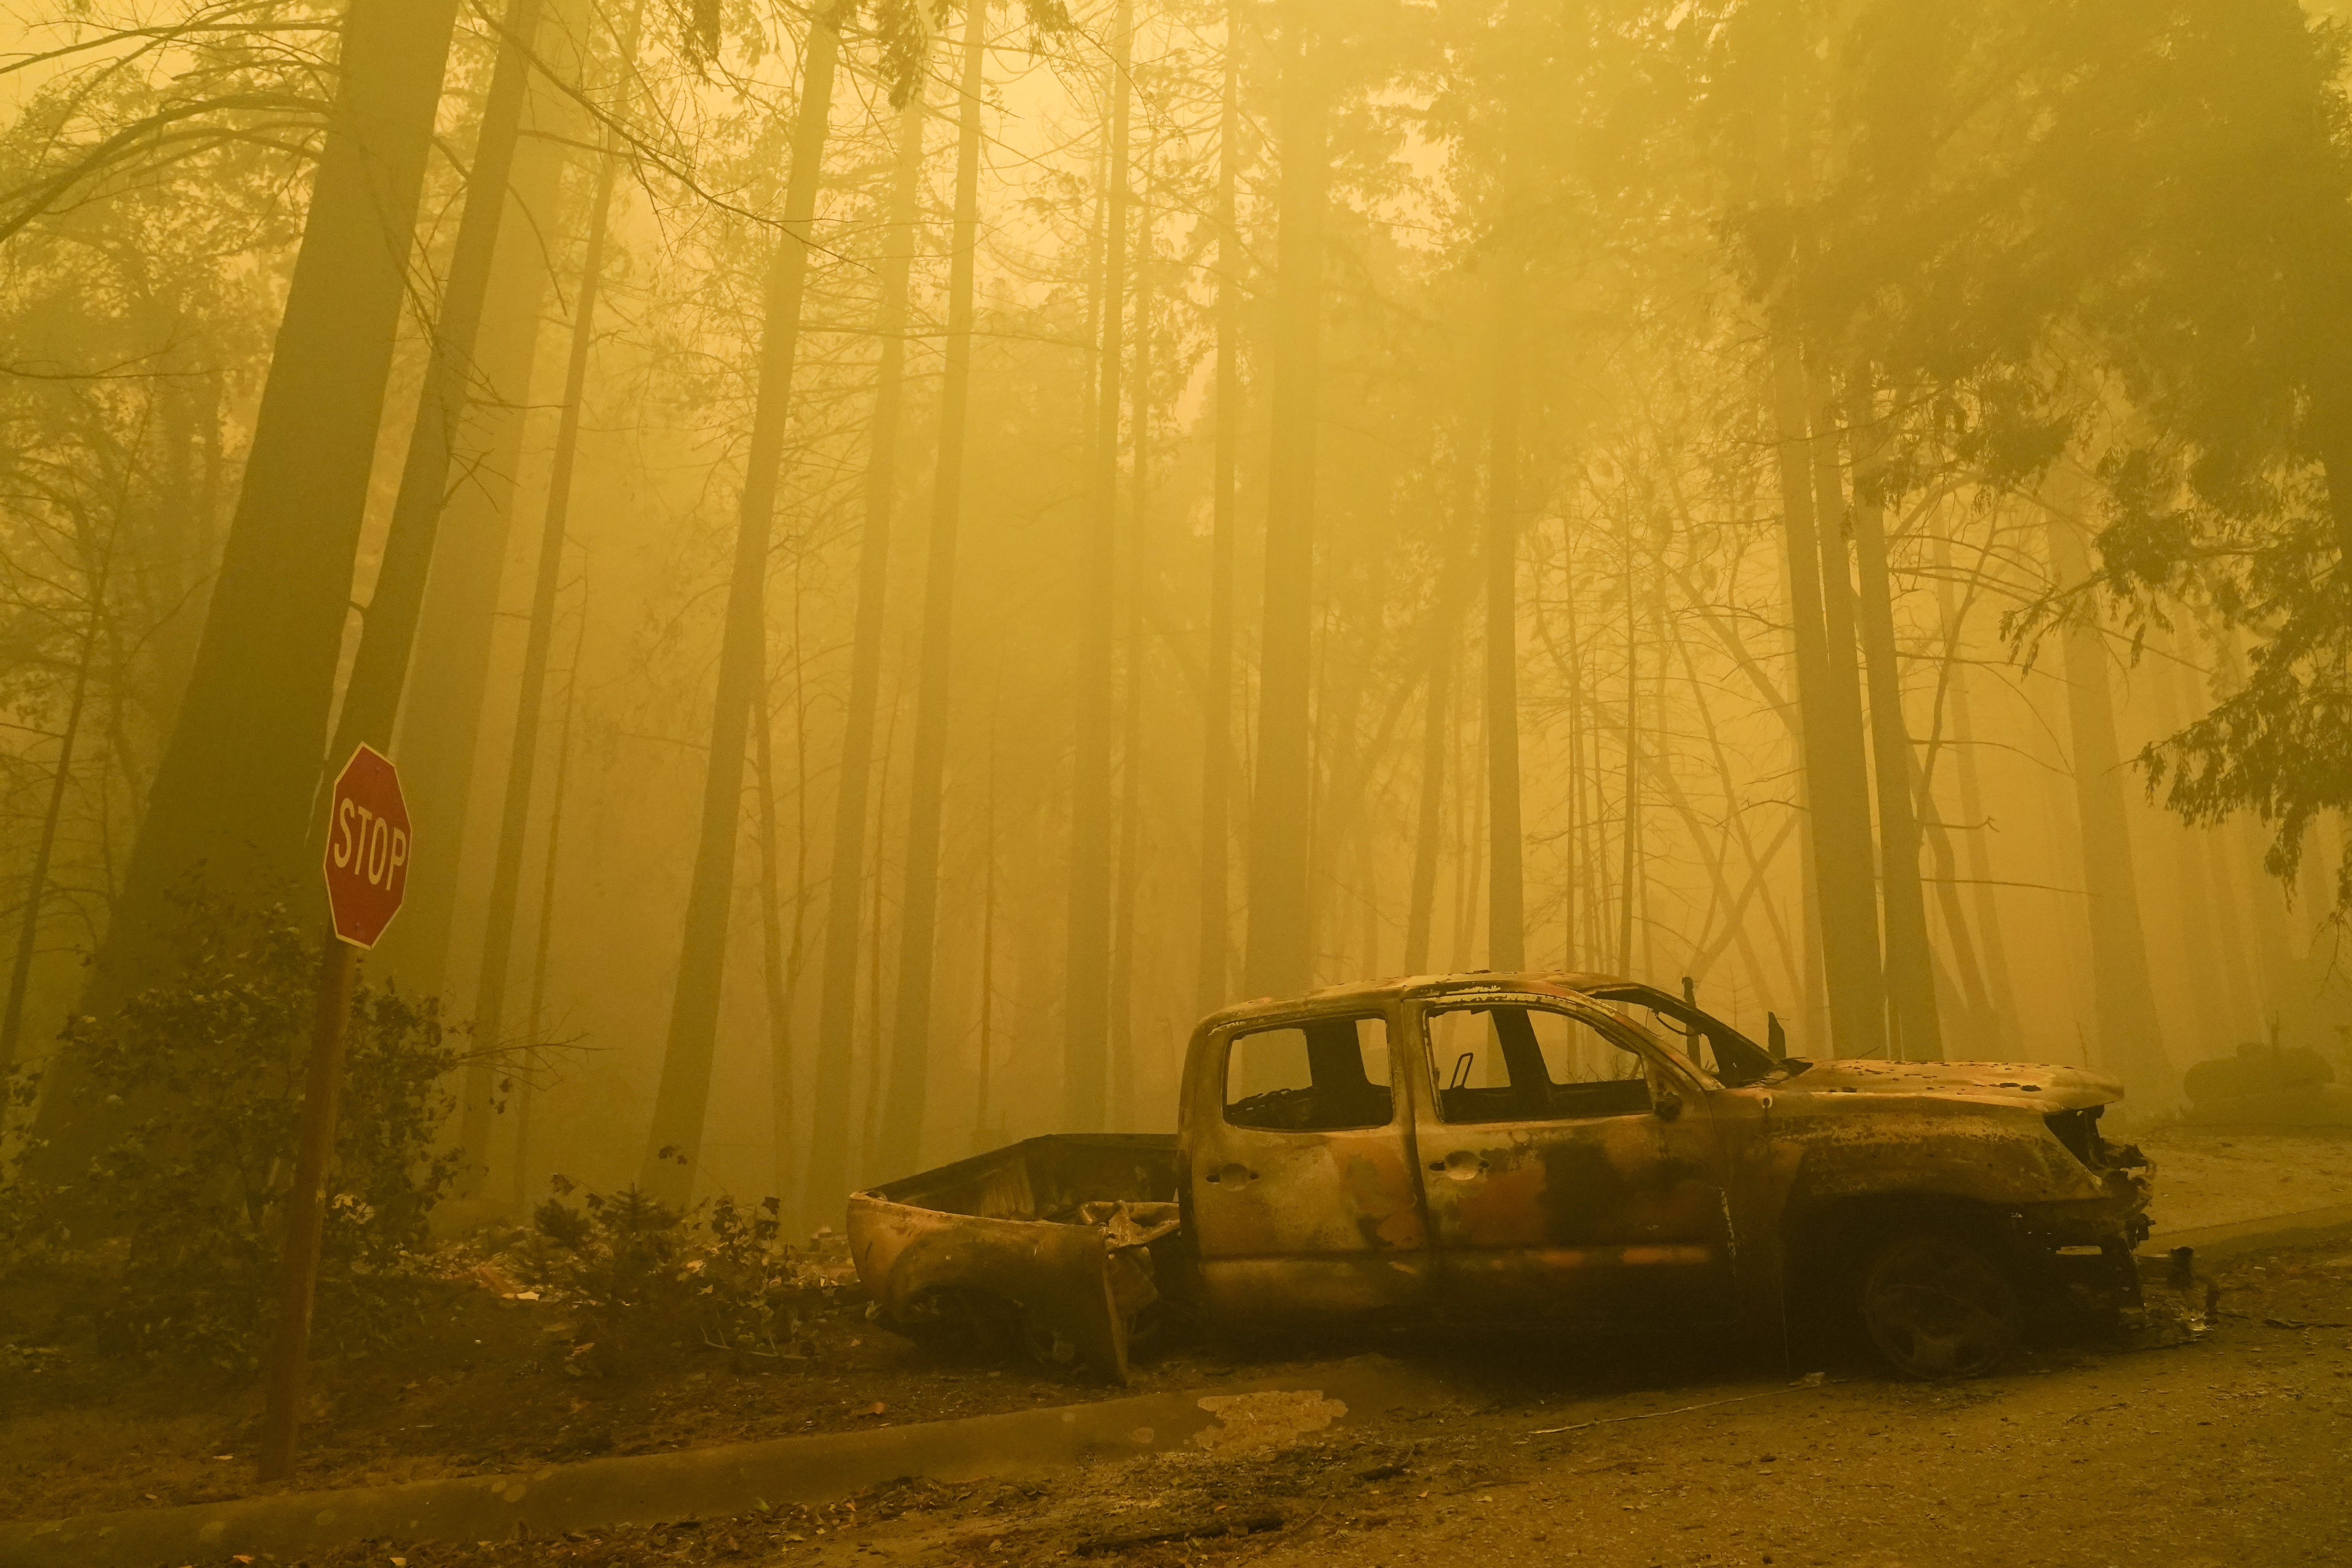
(683, 1098)
(910, 1060)
(1280, 957)
(1086, 1010)
(836, 1029)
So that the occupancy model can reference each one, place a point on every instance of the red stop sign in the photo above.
(367, 847)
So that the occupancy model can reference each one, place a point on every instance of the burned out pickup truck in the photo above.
(1541, 1149)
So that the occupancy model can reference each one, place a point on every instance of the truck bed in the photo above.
(1048, 1244)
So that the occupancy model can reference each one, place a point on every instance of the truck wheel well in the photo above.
(1827, 1241)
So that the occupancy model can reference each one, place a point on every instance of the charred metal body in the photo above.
(1046, 1245)
(1516, 1148)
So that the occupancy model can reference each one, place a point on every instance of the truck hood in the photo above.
(2026, 1085)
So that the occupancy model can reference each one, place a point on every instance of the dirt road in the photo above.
(2235, 1450)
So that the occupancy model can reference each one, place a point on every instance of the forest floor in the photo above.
(2230, 1449)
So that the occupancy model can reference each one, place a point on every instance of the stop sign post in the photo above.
(368, 849)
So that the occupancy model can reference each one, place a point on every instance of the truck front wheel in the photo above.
(1940, 1305)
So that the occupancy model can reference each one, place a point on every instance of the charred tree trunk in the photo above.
(673, 1142)
(1280, 957)
(910, 1033)
(836, 1027)
(1087, 1011)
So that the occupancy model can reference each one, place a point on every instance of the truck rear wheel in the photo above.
(1940, 1305)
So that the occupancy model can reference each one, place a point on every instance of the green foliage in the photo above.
(170, 1238)
(645, 1280)
(2121, 228)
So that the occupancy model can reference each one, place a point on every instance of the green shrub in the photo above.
(643, 1280)
(169, 1239)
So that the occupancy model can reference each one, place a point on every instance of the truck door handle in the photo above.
(1233, 1175)
(1462, 1165)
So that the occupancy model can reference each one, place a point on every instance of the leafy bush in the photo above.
(643, 1278)
(170, 1240)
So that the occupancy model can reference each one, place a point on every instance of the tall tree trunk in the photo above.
(1574, 855)
(987, 957)
(522, 756)
(780, 970)
(232, 791)
(1505, 890)
(2265, 894)
(388, 628)
(1438, 717)
(1280, 957)
(1837, 789)
(36, 887)
(380, 668)
(1131, 747)
(440, 733)
(2130, 1035)
(1629, 875)
(910, 1033)
(526, 1091)
(1437, 682)
(1086, 1014)
(1918, 1032)
(674, 1140)
(828, 1155)
(2218, 1031)
(1215, 966)
(2007, 1025)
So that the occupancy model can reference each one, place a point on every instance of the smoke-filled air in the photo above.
(744, 721)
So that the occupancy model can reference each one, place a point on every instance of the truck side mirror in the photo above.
(1668, 1105)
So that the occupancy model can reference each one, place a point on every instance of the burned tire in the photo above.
(1940, 1305)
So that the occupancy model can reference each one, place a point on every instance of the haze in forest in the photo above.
(907, 553)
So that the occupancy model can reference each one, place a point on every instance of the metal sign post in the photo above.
(368, 851)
